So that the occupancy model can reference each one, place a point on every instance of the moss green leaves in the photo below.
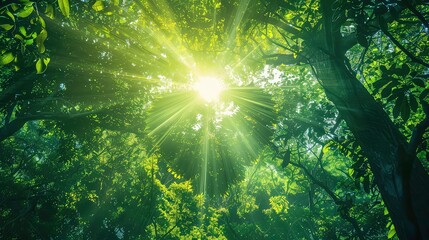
(8, 21)
(26, 11)
(40, 39)
(98, 6)
(64, 7)
(50, 11)
(6, 58)
(42, 65)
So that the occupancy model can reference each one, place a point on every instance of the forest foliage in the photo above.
(103, 135)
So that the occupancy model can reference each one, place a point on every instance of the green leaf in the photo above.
(10, 15)
(326, 148)
(386, 212)
(98, 6)
(42, 65)
(64, 7)
(366, 184)
(28, 41)
(6, 58)
(26, 11)
(23, 31)
(6, 26)
(39, 66)
(17, 36)
(46, 61)
(387, 90)
(380, 9)
(405, 110)
(424, 94)
(419, 82)
(361, 38)
(388, 223)
(392, 232)
(397, 107)
(40, 40)
(50, 11)
(383, 24)
(405, 70)
(42, 22)
(413, 103)
(380, 83)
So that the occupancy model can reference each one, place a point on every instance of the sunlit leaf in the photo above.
(26, 11)
(40, 40)
(6, 27)
(98, 6)
(10, 15)
(39, 66)
(64, 7)
(42, 22)
(29, 41)
(392, 232)
(279, 204)
(46, 61)
(50, 11)
(6, 58)
(42, 65)
(18, 36)
(23, 31)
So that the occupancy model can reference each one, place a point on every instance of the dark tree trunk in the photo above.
(400, 177)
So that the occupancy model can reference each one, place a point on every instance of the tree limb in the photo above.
(286, 27)
(342, 205)
(416, 12)
(287, 59)
(417, 136)
(12, 127)
(403, 49)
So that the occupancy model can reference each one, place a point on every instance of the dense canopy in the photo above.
(214, 119)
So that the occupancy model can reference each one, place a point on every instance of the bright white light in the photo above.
(209, 88)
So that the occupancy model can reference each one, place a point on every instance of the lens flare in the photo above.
(209, 88)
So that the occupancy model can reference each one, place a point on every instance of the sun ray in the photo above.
(209, 88)
(241, 10)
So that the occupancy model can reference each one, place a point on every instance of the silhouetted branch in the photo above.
(417, 136)
(12, 127)
(403, 49)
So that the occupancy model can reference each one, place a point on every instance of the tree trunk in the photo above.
(400, 177)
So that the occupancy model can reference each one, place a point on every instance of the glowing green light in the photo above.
(209, 88)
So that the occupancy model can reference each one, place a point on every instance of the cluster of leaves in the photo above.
(76, 161)
(23, 35)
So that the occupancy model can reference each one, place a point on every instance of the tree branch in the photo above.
(416, 12)
(12, 127)
(286, 27)
(403, 49)
(278, 59)
(417, 136)
(343, 206)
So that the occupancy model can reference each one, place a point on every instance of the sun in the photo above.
(209, 88)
